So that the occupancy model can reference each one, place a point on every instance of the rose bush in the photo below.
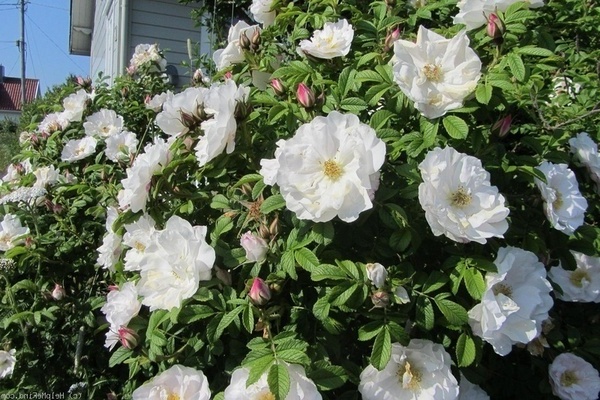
(379, 221)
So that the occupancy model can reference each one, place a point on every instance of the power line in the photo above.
(52, 41)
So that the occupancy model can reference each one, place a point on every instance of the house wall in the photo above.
(165, 22)
(12, 115)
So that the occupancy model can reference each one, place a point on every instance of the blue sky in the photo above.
(47, 40)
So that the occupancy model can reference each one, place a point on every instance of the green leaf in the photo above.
(247, 179)
(474, 283)
(353, 104)
(248, 318)
(465, 350)
(435, 280)
(532, 172)
(382, 349)
(258, 361)
(535, 51)
(272, 203)
(227, 320)
(220, 202)
(294, 356)
(306, 258)
(119, 356)
(346, 81)
(321, 308)
(454, 312)
(380, 118)
(279, 380)
(323, 232)
(456, 127)
(288, 264)
(429, 130)
(329, 377)
(327, 271)
(340, 294)
(425, 315)
(483, 93)
(515, 63)
(370, 330)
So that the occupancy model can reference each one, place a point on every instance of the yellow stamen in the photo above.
(460, 198)
(568, 378)
(433, 72)
(578, 276)
(502, 288)
(333, 170)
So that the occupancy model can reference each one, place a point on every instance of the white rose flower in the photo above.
(329, 168)
(121, 306)
(564, 205)
(75, 105)
(419, 371)
(15, 171)
(436, 73)
(174, 263)
(7, 362)
(11, 232)
(53, 122)
(137, 184)
(473, 13)
(580, 285)
(256, 248)
(103, 124)
(515, 303)
(46, 176)
(458, 199)
(573, 378)
(120, 146)
(178, 382)
(334, 40)
(301, 387)
(377, 274)
(470, 391)
(261, 12)
(78, 149)
(138, 236)
(219, 131)
(110, 251)
(147, 53)
(182, 111)
(156, 103)
(585, 153)
(233, 53)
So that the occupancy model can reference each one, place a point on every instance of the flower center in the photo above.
(433, 72)
(579, 277)
(265, 396)
(460, 198)
(502, 288)
(139, 246)
(558, 203)
(332, 169)
(568, 378)
(409, 377)
(79, 151)
(173, 396)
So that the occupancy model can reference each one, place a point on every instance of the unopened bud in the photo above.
(260, 293)
(255, 40)
(495, 27)
(198, 76)
(58, 293)
(502, 126)
(228, 75)
(305, 96)
(245, 41)
(274, 227)
(128, 337)
(391, 38)
(256, 248)
(278, 87)
(401, 295)
(377, 274)
(188, 120)
(263, 231)
(380, 299)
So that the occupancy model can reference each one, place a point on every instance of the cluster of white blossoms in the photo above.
(515, 303)
(74, 105)
(436, 73)
(420, 370)
(301, 387)
(177, 382)
(212, 110)
(564, 205)
(110, 250)
(329, 168)
(11, 232)
(146, 54)
(458, 199)
(334, 40)
(581, 284)
(585, 153)
(121, 306)
(573, 378)
(7, 362)
(139, 176)
(262, 13)
(474, 13)
(173, 264)
(15, 171)
(233, 53)
(23, 194)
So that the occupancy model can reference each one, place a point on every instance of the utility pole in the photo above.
(22, 48)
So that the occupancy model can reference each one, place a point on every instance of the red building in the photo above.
(10, 94)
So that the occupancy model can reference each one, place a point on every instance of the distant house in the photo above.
(109, 30)
(10, 95)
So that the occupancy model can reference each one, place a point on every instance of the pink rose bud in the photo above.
(148, 99)
(391, 38)
(305, 96)
(128, 337)
(259, 293)
(198, 76)
(58, 293)
(255, 246)
(502, 126)
(278, 87)
(228, 75)
(377, 274)
(495, 26)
